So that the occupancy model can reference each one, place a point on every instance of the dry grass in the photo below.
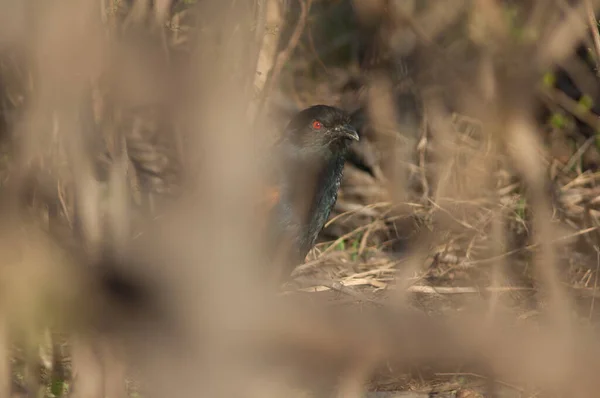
(462, 257)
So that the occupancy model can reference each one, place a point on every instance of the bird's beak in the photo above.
(350, 132)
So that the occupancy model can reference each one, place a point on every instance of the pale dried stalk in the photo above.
(283, 57)
(273, 15)
(562, 39)
(523, 143)
(593, 23)
(5, 366)
(87, 370)
(161, 9)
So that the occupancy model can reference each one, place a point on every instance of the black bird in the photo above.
(310, 158)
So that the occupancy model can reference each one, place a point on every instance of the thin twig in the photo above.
(506, 384)
(595, 281)
(465, 290)
(571, 106)
(533, 246)
(577, 155)
(313, 49)
(594, 30)
(317, 285)
(284, 56)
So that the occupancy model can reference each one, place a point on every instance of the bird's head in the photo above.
(320, 129)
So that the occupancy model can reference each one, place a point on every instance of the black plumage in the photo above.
(311, 154)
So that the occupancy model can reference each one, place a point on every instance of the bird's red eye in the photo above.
(317, 125)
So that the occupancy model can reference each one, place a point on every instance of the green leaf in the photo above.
(549, 79)
(586, 102)
(59, 388)
(558, 120)
(521, 206)
(355, 245)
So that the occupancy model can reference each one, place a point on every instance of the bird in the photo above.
(304, 170)
(305, 177)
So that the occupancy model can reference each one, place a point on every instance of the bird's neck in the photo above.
(313, 186)
(309, 177)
